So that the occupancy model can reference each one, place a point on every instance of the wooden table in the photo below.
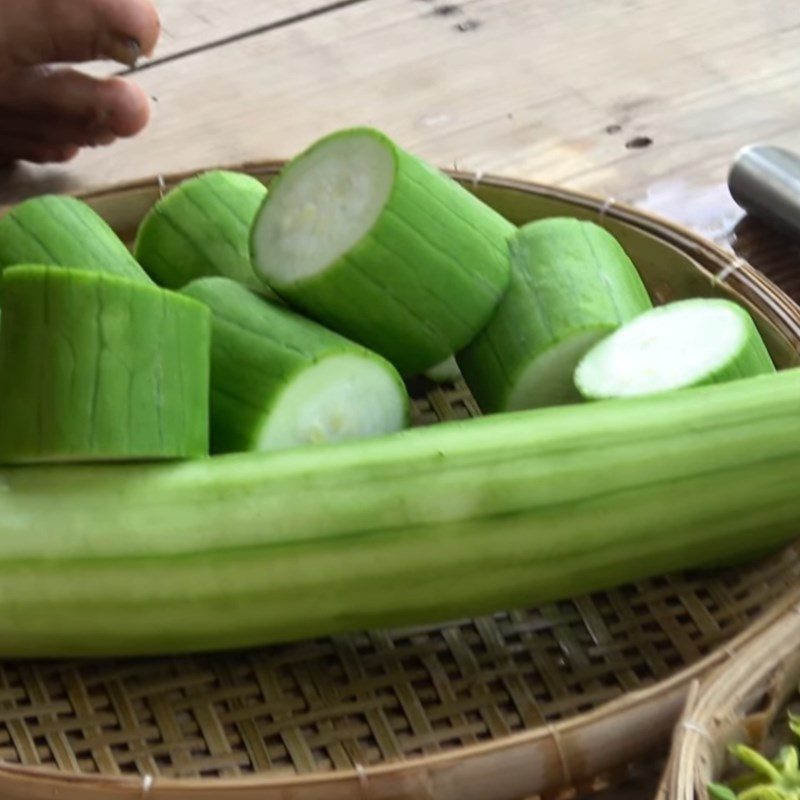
(643, 101)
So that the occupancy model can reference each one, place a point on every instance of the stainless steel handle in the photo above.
(765, 181)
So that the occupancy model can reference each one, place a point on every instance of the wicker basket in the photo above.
(505, 706)
(737, 702)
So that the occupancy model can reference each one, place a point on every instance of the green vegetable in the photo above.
(688, 343)
(382, 248)
(279, 380)
(64, 232)
(97, 367)
(445, 372)
(571, 285)
(428, 524)
(200, 228)
(767, 780)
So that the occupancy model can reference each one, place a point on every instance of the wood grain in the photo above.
(557, 90)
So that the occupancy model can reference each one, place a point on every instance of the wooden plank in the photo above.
(552, 90)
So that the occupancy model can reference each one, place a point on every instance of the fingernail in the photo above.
(124, 49)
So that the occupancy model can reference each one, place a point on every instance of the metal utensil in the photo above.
(765, 181)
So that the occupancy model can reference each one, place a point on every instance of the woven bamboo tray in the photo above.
(741, 701)
(505, 706)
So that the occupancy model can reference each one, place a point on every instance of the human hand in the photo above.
(48, 113)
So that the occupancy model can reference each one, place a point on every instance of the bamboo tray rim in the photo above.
(669, 693)
(738, 701)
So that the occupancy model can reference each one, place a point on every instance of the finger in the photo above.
(47, 31)
(110, 104)
(49, 131)
(14, 148)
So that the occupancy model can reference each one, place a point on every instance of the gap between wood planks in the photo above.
(284, 22)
